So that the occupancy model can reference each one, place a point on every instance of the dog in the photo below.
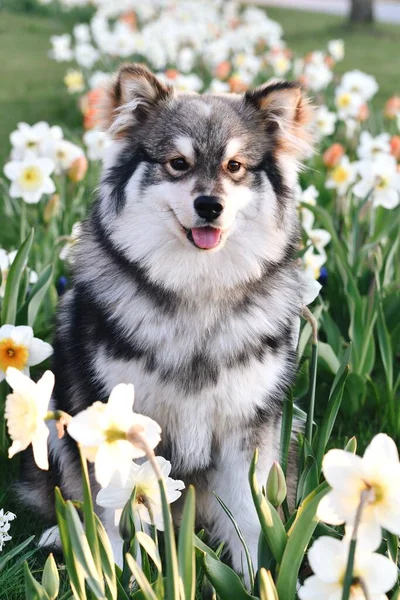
(185, 285)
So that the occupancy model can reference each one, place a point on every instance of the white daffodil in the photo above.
(336, 49)
(342, 176)
(97, 143)
(325, 121)
(61, 47)
(6, 260)
(371, 147)
(33, 139)
(143, 477)
(328, 560)
(312, 263)
(25, 412)
(319, 238)
(19, 349)
(30, 178)
(279, 62)
(348, 103)
(99, 79)
(318, 76)
(359, 83)
(378, 471)
(381, 179)
(64, 154)
(102, 432)
(5, 519)
(86, 55)
(82, 32)
(67, 251)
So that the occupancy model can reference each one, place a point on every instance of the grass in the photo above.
(32, 87)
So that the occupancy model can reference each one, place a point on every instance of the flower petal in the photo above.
(39, 447)
(38, 352)
(315, 589)
(23, 335)
(327, 557)
(344, 471)
(20, 383)
(380, 574)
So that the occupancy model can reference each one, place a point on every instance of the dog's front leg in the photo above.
(230, 481)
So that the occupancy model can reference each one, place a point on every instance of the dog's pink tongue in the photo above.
(206, 237)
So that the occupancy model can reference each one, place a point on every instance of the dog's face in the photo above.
(207, 175)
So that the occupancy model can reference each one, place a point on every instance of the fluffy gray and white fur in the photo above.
(184, 285)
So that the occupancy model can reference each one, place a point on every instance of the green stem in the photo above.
(348, 578)
(313, 382)
(22, 225)
(3, 434)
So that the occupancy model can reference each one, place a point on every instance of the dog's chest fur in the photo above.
(202, 367)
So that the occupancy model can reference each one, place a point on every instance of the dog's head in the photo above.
(203, 180)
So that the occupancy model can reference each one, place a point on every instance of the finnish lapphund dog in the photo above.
(184, 284)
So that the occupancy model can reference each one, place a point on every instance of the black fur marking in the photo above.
(118, 176)
(76, 380)
(192, 376)
(166, 300)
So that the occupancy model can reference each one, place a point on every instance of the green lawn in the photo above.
(32, 84)
(32, 87)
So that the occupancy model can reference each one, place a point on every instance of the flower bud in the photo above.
(276, 485)
(77, 170)
(363, 113)
(395, 146)
(126, 523)
(52, 208)
(51, 578)
(351, 445)
(392, 107)
(332, 155)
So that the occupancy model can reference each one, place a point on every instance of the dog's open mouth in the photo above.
(204, 237)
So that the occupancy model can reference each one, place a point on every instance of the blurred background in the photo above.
(32, 87)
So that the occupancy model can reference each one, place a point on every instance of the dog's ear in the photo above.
(288, 115)
(130, 97)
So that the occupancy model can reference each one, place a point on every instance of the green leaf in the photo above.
(299, 537)
(172, 570)
(385, 347)
(51, 578)
(286, 430)
(33, 589)
(250, 567)
(270, 521)
(393, 546)
(329, 418)
(186, 552)
(202, 548)
(75, 571)
(150, 547)
(267, 586)
(107, 558)
(9, 308)
(88, 516)
(225, 581)
(14, 552)
(138, 574)
(327, 355)
(81, 550)
(29, 310)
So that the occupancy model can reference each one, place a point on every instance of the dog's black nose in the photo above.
(208, 207)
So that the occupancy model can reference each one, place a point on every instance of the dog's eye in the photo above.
(179, 164)
(233, 166)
